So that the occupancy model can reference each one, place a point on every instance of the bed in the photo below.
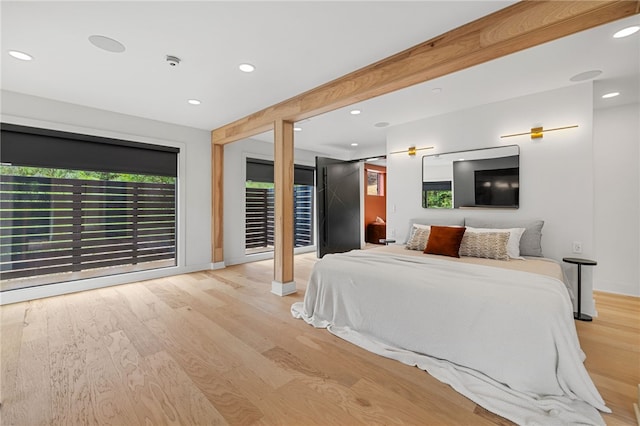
(499, 332)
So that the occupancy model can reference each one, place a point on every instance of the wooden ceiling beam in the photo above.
(512, 29)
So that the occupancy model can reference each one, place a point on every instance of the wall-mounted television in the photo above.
(497, 187)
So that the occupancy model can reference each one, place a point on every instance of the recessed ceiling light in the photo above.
(297, 129)
(436, 90)
(194, 102)
(381, 124)
(20, 55)
(106, 43)
(355, 112)
(246, 68)
(626, 32)
(610, 95)
(372, 159)
(587, 75)
(354, 144)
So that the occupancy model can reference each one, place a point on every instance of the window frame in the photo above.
(31, 293)
(240, 255)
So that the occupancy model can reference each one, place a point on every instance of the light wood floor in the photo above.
(216, 347)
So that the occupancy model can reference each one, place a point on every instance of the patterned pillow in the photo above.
(419, 238)
(513, 245)
(490, 245)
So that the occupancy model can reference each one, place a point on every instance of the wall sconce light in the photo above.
(412, 150)
(537, 132)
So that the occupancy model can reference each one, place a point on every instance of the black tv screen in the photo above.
(498, 187)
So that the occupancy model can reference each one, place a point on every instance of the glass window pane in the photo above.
(60, 225)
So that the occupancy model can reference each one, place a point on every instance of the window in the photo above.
(75, 206)
(375, 183)
(259, 203)
(437, 194)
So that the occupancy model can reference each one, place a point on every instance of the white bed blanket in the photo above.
(503, 338)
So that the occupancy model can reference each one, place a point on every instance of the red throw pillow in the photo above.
(445, 240)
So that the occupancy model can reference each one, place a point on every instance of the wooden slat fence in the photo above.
(259, 221)
(50, 225)
(303, 215)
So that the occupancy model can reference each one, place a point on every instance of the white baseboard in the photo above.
(217, 265)
(635, 407)
(283, 289)
(264, 256)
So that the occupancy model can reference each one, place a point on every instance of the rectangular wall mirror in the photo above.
(481, 178)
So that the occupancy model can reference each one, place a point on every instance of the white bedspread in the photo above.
(503, 338)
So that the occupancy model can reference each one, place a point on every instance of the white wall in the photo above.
(556, 172)
(616, 134)
(235, 161)
(194, 251)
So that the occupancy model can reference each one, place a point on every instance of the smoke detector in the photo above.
(173, 61)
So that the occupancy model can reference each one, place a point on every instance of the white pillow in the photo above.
(413, 228)
(513, 245)
(421, 225)
(419, 238)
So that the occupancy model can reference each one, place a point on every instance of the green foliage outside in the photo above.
(264, 185)
(437, 199)
(6, 170)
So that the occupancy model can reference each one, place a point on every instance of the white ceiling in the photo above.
(539, 69)
(295, 46)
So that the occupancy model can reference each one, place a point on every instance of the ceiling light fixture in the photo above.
(246, 68)
(610, 95)
(297, 129)
(106, 43)
(354, 144)
(194, 102)
(355, 112)
(20, 55)
(626, 32)
(587, 75)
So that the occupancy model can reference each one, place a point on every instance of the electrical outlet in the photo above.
(577, 247)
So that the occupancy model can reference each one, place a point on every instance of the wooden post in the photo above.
(283, 282)
(217, 205)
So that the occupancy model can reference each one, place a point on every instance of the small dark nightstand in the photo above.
(577, 261)
(386, 241)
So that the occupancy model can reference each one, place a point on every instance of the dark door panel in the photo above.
(338, 196)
